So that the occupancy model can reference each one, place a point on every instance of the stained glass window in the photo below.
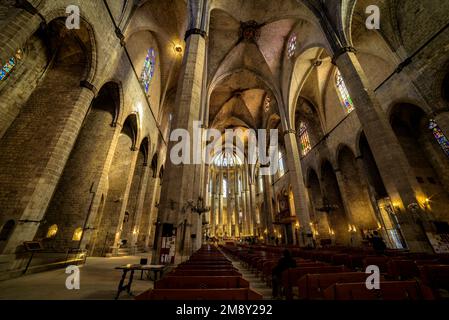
(304, 138)
(225, 188)
(281, 165)
(439, 136)
(267, 103)
(344, 93)
(291, 46)
(148, 69)
(10, 65)
(260, 179)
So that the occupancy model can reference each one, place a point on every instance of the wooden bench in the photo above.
(207, 272)
(312, 286)
(291, 276)
(437, 278)
(381, 262)
(389, 290)
(201, 282)
(206, 267)
(200, 294)
(206, 262)
(402, 269)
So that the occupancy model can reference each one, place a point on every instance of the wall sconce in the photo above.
(426, 203)
(297, 225)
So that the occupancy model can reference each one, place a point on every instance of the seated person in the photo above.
(378, 243)
(123, 243)
(285, 263)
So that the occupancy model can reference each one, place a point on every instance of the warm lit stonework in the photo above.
(87, 178)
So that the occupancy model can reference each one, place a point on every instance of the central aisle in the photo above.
(255, 282)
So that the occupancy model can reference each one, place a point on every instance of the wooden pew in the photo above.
(291, 276)
(312, 286)
(200, 267)
(437, 278)
(402, 269)
(200, 294)
(379, 261)
(201, 282)
(389, 290)
(205, 272)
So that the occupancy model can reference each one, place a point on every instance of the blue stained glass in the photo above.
(439, 136)
(6, 70)
(344, 93)
(148, 69)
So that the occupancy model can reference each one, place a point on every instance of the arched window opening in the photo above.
(7, 229)
(281, 164)
(77, 234)
(291, 46)
(225, 188)
(304, 138)
(439, 136)
(52, 231)
(345, 98)
(148, 69)
(9, 66)
(227, 159)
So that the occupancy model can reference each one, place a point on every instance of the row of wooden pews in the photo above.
(207, 275)
(339, 273)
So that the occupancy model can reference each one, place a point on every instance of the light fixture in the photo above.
(178, 48)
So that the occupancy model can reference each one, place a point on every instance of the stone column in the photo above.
(124, 204)
(268, 194)
(140, 207)
(253, 206)
(298, 186)
(237, 204)
(154, 221)
(355, 237)
(213, 211)
(243, 204)
(247, 201)
(394, 168)
(220, 203)
(177, 189)
(31, 197)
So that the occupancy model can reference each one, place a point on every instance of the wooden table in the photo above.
(157, 269)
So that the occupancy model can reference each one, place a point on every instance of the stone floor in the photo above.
(255, 282)
(98, 280)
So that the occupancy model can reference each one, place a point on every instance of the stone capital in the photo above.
(289, 131)
(342, 51)
(196, 31)
(86, 84)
